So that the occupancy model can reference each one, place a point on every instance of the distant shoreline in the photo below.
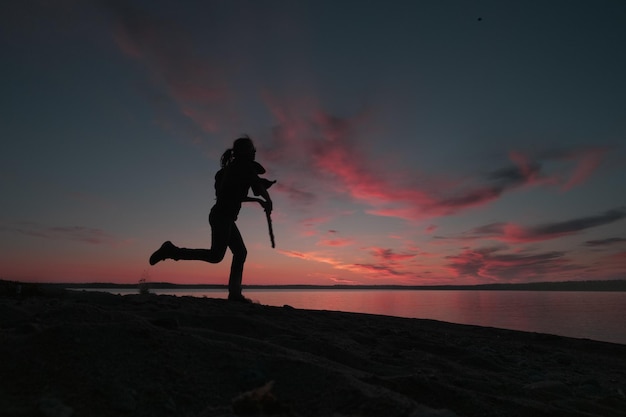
(610, 285)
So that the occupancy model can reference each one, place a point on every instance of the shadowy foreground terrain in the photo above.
(66, 353)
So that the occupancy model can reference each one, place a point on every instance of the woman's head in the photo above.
(243, 148)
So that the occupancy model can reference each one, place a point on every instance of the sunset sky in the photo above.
(414, 142)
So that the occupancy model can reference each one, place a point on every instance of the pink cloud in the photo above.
(513, 233)
(325, 146)
(523, 164)
(330, 149)
(389, 255)
(492, 264)
(315, 221)
(293, 254)
(318, 257)
(587, 161)
(336, 242)
(387, 263)
(194, 82)
(529, 171)
(582, 163)
(386, 266)
(309, 226)
(333, 240)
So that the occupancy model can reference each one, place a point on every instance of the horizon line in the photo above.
(612, 285)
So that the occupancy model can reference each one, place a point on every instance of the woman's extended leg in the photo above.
(220, 238)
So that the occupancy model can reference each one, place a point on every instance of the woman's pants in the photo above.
(224, 234)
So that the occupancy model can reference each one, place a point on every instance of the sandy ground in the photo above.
(68, 353)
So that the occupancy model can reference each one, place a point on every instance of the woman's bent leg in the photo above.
(220, 236)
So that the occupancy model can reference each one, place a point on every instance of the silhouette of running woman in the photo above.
(239, 173)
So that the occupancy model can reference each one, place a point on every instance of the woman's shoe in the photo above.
(164, 252)
(239, 298)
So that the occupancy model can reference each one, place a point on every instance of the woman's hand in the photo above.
(267, 205)
(253, 200)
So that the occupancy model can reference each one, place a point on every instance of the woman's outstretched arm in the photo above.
(267, 203)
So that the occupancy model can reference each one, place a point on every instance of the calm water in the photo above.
(589, 315)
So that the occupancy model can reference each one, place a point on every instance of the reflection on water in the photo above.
(590, 315)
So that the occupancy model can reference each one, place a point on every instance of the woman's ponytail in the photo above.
(242, 148)
(227, 158)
